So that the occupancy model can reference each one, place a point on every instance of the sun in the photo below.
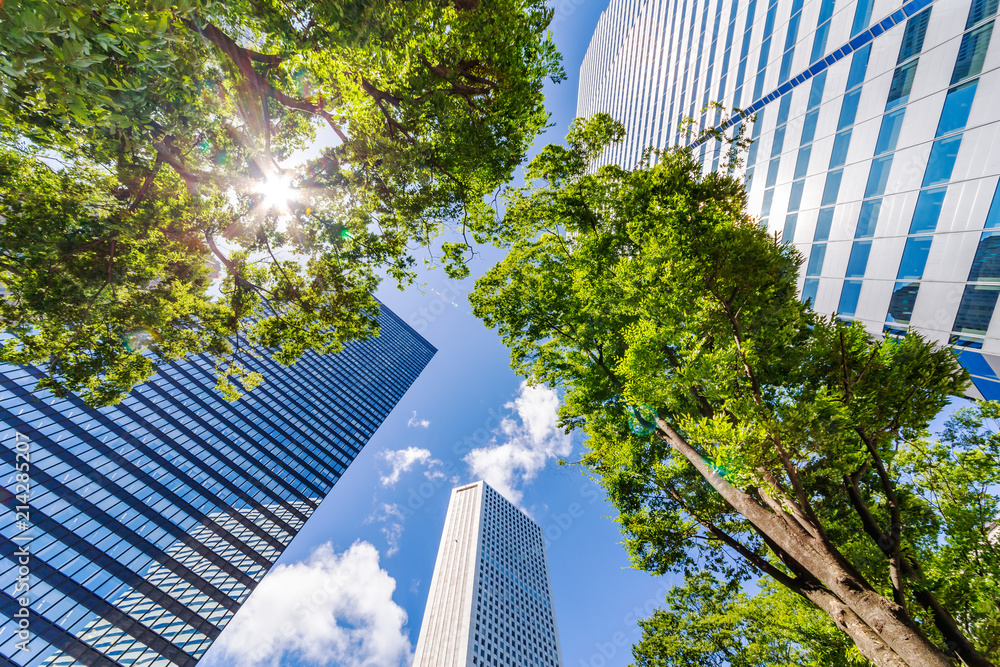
(277, 192)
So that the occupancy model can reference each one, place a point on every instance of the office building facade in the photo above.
(490, 599)
(144, 526)
(873, 153)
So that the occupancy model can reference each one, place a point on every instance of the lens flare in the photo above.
(277, 192)
(139, 339)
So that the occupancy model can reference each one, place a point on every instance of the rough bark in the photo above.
(884, 617)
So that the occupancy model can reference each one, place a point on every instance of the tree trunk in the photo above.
(866, 639)
(884, 617)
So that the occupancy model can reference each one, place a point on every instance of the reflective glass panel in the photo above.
(840, 145)
(902, 82)
(858, 262)
(849, 109)
(957, 104)
(868, 219)
(928, 210)
(976, 309)
(878, 177)
(809, 289)
(788, 234)
(972, 52)
(823, 224)
(904, 296)
(888, 134)
(911, 266)
(809, 127)
(859, 65)
(986, 265)
(942, 160)
(816, 259)
(849, 298)
(832, 187)
(913, 37)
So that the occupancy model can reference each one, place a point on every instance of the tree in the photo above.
(172, 126)
(709, 622)
(729, 424)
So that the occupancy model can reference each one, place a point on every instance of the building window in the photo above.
(788, 234)
(972, 53)
(809, 289)
(904, 295)
(957, 105)
(927, 211)
(858, 262)
(868, 219)
(913, 36)
(911, 266)
(902, 82)
(888, 134)
(849, 298)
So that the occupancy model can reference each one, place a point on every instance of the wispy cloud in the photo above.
(402, 460)
(417, 423)
(331, 609)
(391, 517)
(522, 446)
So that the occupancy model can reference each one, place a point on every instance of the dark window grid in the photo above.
(211, 471)
(115, 491)
(332, 419)
(55, 636)
(138, 446)
(57, 581)
(300, 456)
(897, 17)
(340, 415)
(410, 360)
(85, 507)
(262, 450)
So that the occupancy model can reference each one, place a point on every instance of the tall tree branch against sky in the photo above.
(174, 123)
(731, 426)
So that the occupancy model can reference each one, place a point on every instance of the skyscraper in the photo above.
(490, 601)
(141, 528)
(876, 121)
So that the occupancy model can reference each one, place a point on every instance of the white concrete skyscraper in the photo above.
(874, 152)
(490, 601)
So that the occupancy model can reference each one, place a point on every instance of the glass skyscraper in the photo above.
(490, 600)
(144, 526)
(876, 122)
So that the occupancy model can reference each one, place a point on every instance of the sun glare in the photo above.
(278, 192)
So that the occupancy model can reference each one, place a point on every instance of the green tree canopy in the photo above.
(732, 427)
(176, 125)
(711, 622)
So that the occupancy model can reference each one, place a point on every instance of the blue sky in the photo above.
(351, 588)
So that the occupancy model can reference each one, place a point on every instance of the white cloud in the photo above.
(391, 518)
(422, 423)
(527, 446)
(331, 609)
(402, 460)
